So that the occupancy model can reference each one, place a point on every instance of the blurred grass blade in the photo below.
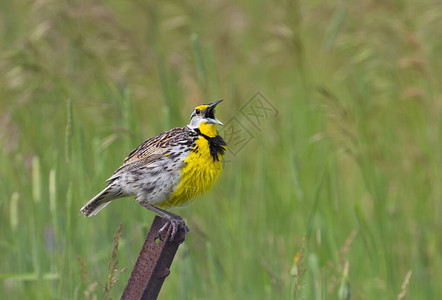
(199, 61)
(166, 93)
(315, 204)
(314, 269)
(53, 203)
(52, 192)
(336, 21)
(367, 233)
(69, 133)
(30, 276)
(212, 266)
(35, 252)
(299, 192)
(13, 211)
(36, 180)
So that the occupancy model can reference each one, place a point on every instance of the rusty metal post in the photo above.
(153, 263)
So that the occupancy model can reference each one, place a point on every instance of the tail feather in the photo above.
(100, 201)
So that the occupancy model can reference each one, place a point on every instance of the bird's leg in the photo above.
(171, 220)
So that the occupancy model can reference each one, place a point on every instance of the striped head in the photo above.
(203, 118)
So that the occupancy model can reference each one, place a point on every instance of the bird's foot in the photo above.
(171, 220)
(177, 224)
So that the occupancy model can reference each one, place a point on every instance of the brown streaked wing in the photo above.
(153, 149)
(155, 145)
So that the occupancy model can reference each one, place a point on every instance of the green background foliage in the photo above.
(350, 165)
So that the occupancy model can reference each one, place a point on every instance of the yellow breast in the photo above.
(197, 176)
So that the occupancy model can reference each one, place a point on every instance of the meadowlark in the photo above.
(169, 169)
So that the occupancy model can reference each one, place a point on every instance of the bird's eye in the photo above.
(197, 111)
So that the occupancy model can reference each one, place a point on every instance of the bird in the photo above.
(170, 169)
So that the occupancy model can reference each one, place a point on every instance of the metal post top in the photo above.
(153, 263)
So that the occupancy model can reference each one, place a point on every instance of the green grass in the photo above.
(351, 163)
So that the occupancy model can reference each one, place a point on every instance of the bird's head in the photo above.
(203, 118)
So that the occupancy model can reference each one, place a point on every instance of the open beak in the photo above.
(215, 103)
(210, 113)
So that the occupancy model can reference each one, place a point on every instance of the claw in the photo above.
(176, 224)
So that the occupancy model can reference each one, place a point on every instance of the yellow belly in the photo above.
(197, 176)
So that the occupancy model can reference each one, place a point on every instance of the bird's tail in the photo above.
(97, 203)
